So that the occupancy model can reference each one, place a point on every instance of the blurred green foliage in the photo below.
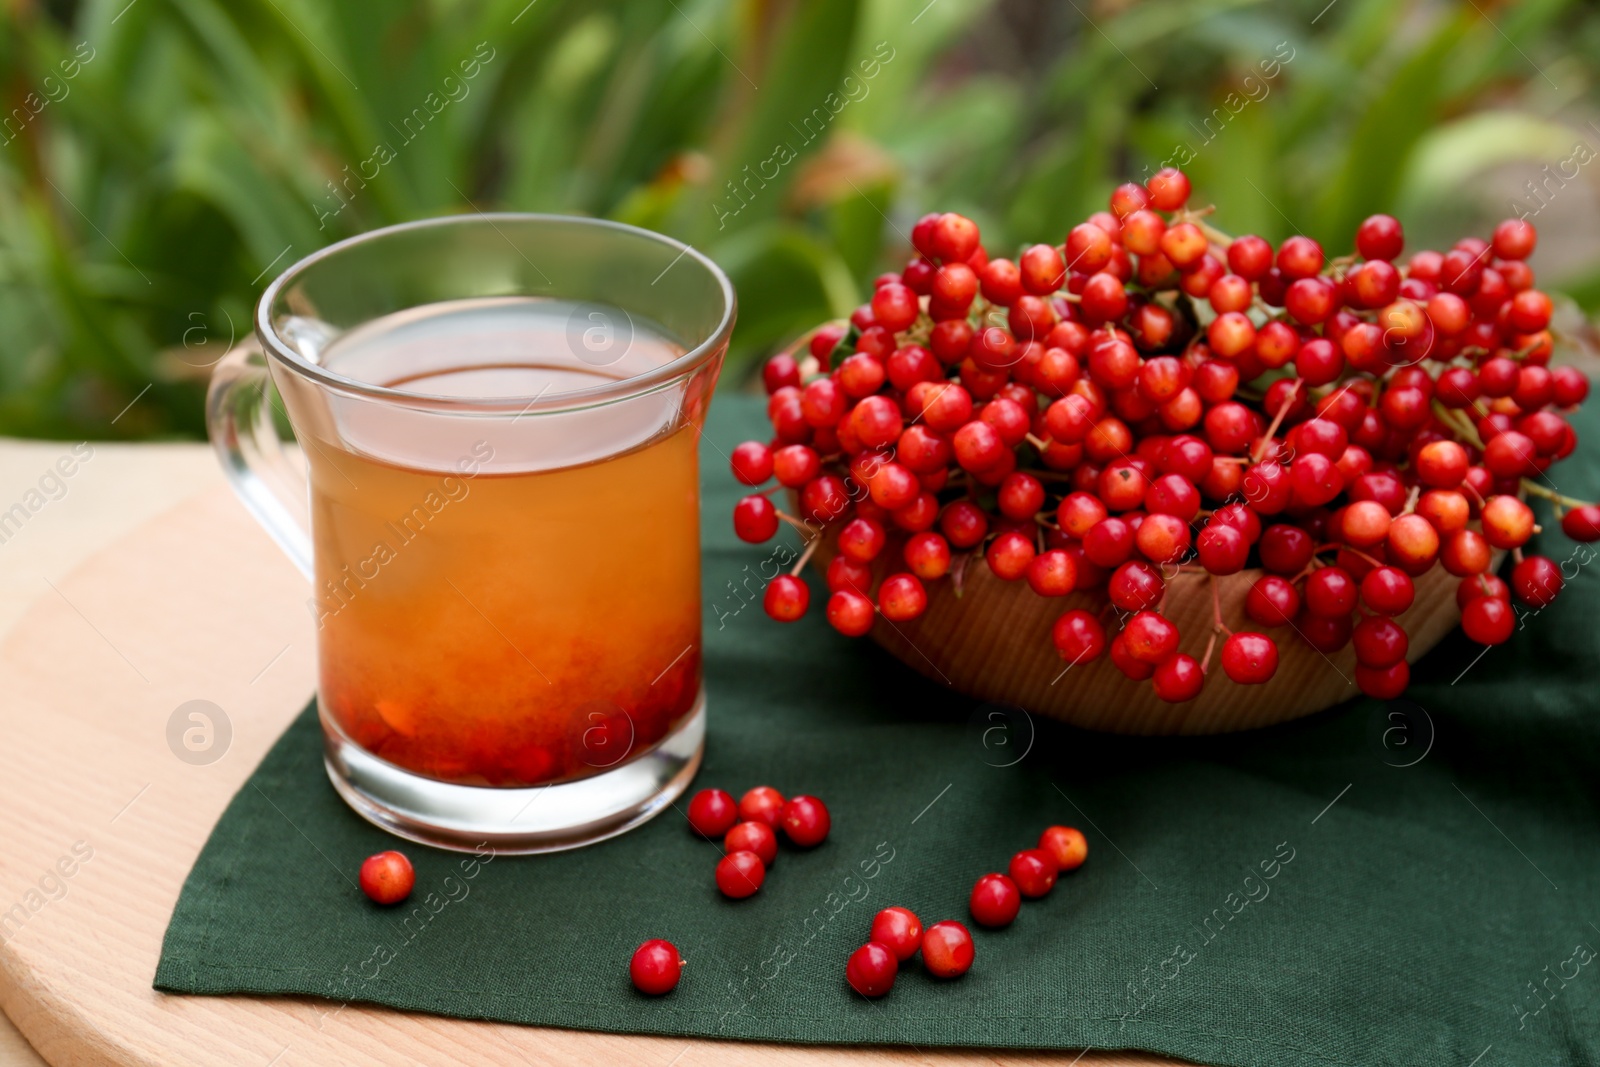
(160, 160)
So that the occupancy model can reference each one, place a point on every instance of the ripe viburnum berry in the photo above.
(1333, 425)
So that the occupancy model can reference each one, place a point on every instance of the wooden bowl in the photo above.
(993, 643)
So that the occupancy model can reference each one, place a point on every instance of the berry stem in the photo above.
(805, 557)
(1277, 420)
(1213, 234)
(1217, 625)
(1458, 422)
(1347, 548)
(1533, 488)
(806, 530)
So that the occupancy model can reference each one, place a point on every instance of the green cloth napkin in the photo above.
(1414, 883)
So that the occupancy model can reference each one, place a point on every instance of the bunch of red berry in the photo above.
(749, 831)
(1154, 396)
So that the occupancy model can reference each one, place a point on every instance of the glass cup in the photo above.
(495, 496)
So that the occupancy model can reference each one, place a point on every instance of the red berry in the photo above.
(1150, 637)
(1507, 522)
(786, 598)
(862, 539)
(1530, 311)
(850, 613)
(1330, 592)
(1388, 590)
(740, 874)
(1033, 871)
(1128, 198)
(1078, 636)
(1272, 601)
(1481, 585)
(1515, 239)
(954, 238)
(1488, 620)
(902, 598)
(898, 930)
(1442, 464)
(781, 370)
(977, 446)
(755, 519)
(761, 804)
(824, 499)
(1178, 678)
(1249, 659)
(1009, 555)
(1079, 512)
(1379, 642)
(712, 812)
(805, 821)
(1250, 257)
(1364, 523)
(1168, 189)
(1162, 538)
(1413, 543)
(1286, 549)
(995, 900)
(752, 462)
(858, 376)
(877, 421)
(754, 837)
(1537, 580)
(947, 949)
(1066, 846)
(1383, 683)
(928, 555)
(1042, 270)
(1569, 386)
(1380, 237)
(1089, 248)
(895, 307)
(1222, 548)
(1582, 524)
(1324, 634)
(1052, 573)
(871, 970)
(1299, 257)
(1466, 552)
(387, 878)
(655, 967)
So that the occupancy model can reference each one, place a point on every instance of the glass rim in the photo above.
(591, 396)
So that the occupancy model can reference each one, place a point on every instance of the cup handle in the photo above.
(271, 483)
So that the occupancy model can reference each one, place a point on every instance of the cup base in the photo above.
(545, 818)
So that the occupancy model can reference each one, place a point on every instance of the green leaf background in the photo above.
(145, 205)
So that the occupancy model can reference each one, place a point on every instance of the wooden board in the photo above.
(197, 604)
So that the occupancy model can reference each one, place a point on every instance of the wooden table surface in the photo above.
(130, 587)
